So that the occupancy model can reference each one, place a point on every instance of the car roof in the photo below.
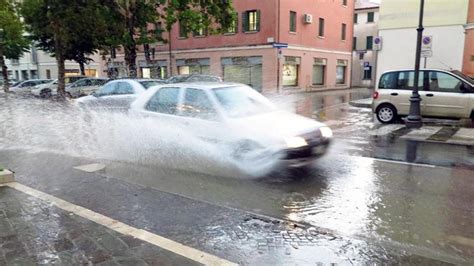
(202, 85)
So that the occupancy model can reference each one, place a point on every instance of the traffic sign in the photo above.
(427, 43)
(280, 45)
(377, 43)
(426, 53)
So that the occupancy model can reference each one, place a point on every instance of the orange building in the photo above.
(468, 63)
(318, 33)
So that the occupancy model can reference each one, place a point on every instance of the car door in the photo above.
(163, 106)
(445, 97)
(121, 97)
(199, 115)
(405, 84)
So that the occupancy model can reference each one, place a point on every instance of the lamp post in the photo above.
(414, 118)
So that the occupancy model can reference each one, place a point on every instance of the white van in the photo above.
(446, 94)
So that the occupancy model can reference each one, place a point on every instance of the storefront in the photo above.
(157, 69)
(290, 71)
(246, 70)
(193, 66)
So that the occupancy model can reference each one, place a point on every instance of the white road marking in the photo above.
(162, 242)
(422, 133)
(90, 168)
(403, 163)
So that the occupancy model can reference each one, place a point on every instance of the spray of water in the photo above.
(37, 125)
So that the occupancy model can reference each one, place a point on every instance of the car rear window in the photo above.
(388, 80)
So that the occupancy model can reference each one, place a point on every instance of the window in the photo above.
(292, 21)
(123, 88)
(370, 41)
(290, 71)
(343, 32)
(356, 17)
(367, 73)
(183, 33)
(251, 20)
(108, 89)
(443, 82)
(233, 26)
(361, 55)
(370, 17)
(197, 104)
(48, 73)
(344, 2)
(319, 71)
(321, 27)
(406, 80)
(201, 32)
(164, 101)
(388, 80)
(341, 70)
(354, 43)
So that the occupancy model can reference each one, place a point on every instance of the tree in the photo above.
(69, 30)
(13, 43)
(138, 20)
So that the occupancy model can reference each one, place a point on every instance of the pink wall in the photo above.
(468, 62)
(334, 14)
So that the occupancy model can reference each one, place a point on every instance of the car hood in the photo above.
(278, 124)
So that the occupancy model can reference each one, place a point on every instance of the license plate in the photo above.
(318, 150)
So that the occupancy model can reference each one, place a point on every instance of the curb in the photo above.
(6, 176)
(364, 103)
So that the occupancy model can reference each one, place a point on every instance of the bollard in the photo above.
(6, 176)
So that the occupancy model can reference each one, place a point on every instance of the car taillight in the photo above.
(375, 95)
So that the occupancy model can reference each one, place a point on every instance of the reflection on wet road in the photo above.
(349, 191)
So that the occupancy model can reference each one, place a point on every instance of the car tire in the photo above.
(386, 113)
(45, 94)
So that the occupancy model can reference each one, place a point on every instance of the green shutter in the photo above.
(245, 21)
(258, 20)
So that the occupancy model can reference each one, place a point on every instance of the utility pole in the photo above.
(414, 119)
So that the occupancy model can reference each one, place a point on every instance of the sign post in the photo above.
(279, 46)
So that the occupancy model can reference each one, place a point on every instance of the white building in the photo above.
(445, 21)
(38, 64)
(366, 19)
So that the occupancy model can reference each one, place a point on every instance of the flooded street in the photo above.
(372, 190)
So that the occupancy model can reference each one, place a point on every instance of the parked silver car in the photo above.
(446, 94)
(81, 87)
(27, 85)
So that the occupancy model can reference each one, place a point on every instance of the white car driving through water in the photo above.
(237, 117)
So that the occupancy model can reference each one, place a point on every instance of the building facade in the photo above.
(364, 59)
(449, 23)
(318, 56)
(37, 64)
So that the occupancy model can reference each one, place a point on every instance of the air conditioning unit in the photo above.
(308, 18)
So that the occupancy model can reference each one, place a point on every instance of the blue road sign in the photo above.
(280, 45)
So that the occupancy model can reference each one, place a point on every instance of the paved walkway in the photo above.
(33, 232)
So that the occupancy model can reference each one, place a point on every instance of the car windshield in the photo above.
(242, 101)
(459, 73)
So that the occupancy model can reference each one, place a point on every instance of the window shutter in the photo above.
(258, 20)
(245, 22)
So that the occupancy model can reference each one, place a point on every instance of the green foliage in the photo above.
(12, 41)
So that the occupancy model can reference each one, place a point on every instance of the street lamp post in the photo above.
(414, 118)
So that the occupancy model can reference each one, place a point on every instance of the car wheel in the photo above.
(45, 94)
(386, 113)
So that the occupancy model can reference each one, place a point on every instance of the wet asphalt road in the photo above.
(384, 210)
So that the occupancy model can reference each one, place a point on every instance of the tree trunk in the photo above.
(6, 86)
(82, 68)
(130, 49)
(61, 74)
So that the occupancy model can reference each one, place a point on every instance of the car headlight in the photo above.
(295, 142)
(326, 132)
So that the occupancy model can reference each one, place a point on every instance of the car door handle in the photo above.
(429, 95)
(394, 94)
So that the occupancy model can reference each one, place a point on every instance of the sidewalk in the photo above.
(33, 232)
